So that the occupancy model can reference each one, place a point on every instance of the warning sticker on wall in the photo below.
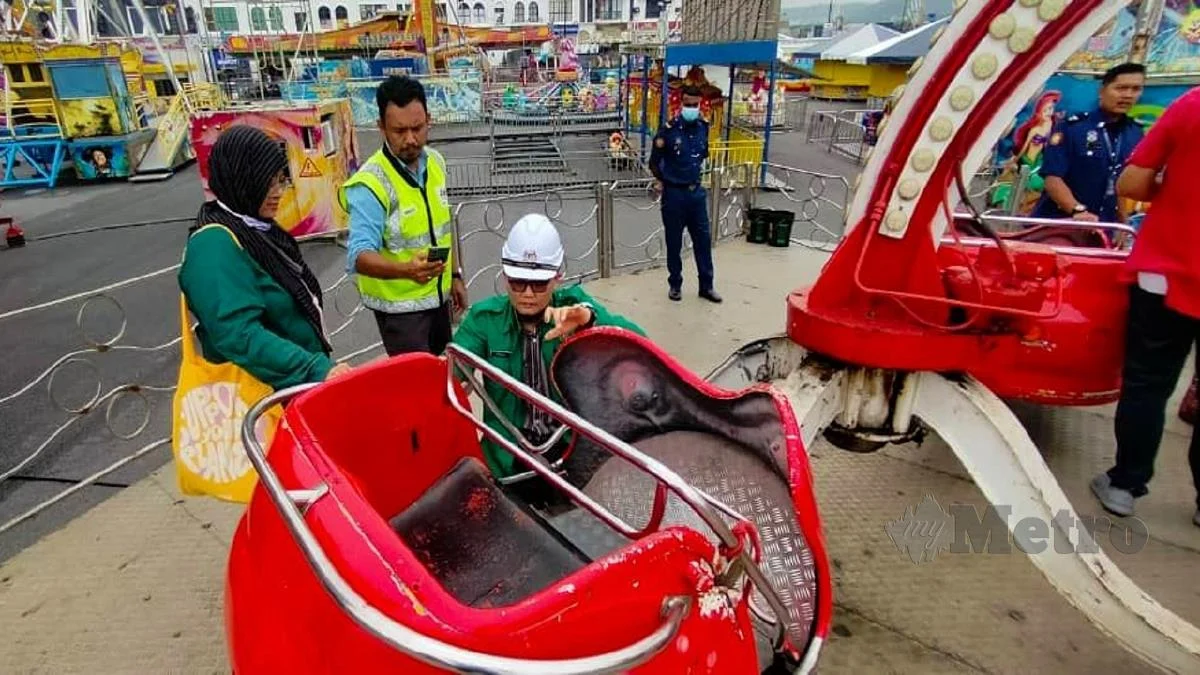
(310, 169)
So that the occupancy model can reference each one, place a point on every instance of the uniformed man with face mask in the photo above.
(677, 161)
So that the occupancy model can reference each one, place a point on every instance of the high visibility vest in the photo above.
(416, 221)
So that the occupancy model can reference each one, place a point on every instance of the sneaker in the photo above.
(711, 296)
(1114, 500)
(675, 294)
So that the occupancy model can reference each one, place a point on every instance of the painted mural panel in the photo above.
(100, 160)
(1062, 96)
(450, 100)
(1174, 48)
(458, 99)
(104, 157)
(90, 117)
(322, 151)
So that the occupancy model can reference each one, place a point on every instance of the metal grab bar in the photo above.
(402, 638)
(698, 501)
(1078, 251)
(1067, 223)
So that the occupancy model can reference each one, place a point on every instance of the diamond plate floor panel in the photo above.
(737, 479)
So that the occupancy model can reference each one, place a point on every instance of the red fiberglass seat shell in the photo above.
(381, 439)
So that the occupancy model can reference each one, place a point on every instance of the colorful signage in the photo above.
(1174, 47)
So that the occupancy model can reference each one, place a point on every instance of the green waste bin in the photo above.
(760, 225)
(781, 228)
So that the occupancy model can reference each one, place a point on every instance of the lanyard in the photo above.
(1114, 159)
(1113, 153)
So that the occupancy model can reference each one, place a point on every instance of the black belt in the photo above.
(682, 186)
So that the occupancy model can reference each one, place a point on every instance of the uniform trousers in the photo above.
(683, 210)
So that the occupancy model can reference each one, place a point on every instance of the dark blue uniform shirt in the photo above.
(680, 149)
(1088, 153)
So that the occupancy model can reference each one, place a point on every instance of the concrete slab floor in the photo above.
(135, 584)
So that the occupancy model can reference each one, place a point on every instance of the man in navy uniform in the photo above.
(1087, 151)
(677, 160)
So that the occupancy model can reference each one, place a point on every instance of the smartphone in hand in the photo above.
(438, 254)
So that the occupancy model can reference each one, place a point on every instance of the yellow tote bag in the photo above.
(210, 404)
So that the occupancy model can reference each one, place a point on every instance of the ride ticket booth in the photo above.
(322, 151)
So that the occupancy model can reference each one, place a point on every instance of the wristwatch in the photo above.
(456, 274)
(591, 320)
(1079, 208)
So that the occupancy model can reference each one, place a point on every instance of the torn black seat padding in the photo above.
(486, 550)
(623, 384)
(730, 445)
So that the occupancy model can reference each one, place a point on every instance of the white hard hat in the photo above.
(533, 250)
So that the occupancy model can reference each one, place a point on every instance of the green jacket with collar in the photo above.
(491, 331)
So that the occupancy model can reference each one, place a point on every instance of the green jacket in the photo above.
(245, 316)
(491, 331)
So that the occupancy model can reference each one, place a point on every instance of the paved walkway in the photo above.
(135, 584)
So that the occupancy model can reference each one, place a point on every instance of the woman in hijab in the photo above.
(256, 301)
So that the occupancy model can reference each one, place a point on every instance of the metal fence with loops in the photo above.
(89, 401)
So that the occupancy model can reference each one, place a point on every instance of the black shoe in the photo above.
(675, 294)
(711, 296)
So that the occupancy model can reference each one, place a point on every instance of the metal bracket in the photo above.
(305, 498)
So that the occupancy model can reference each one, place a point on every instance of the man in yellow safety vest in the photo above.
(401, 242)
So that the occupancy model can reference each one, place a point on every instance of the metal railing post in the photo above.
(714, 205)
(604, 230)
(749, 195)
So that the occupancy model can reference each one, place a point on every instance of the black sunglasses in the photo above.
(521, 285)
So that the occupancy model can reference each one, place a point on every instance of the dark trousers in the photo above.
(427, 331)
(1157, 342)
(684, 209)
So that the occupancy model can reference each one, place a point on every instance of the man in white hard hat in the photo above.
(519, 332)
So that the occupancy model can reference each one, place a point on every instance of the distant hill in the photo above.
(862, 12)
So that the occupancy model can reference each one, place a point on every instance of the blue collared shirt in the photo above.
(1088, 154)
(679, 151)
(368, 217)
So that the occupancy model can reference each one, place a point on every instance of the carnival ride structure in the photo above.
(386, 545)
(738, 36)
(69, 95)
(563, 91)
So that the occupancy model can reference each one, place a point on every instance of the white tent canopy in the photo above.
(906, 47)
(802, 47)
(851, 42)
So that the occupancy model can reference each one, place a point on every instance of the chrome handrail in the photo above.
(1054, 222)
(1079, 251)
(402, 638)
(695, 499)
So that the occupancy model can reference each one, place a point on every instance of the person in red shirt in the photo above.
(1163, 273)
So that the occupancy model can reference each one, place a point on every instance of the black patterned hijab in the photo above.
(241, 167)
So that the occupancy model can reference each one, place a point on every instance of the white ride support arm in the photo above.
(1003, 461)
